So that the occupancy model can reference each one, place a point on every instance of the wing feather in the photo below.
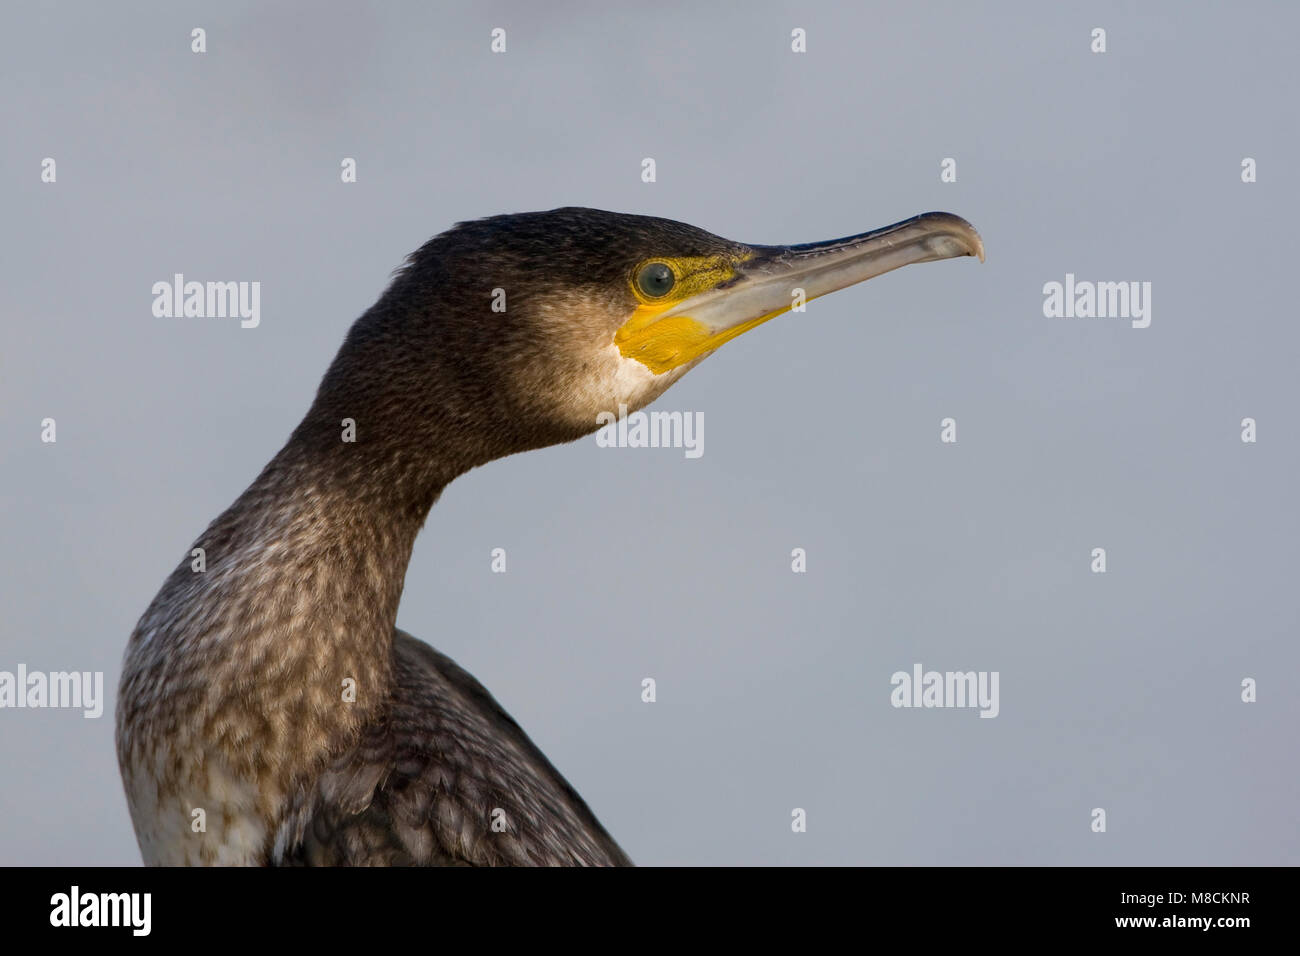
(421, 786)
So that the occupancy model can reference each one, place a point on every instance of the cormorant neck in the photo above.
(399, 415)
(271, 649)
(283, 634)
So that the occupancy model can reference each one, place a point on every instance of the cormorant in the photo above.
(234, 692)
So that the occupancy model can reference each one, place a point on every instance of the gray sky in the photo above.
(1118, 690)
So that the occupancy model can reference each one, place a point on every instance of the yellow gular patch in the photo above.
(661, 344)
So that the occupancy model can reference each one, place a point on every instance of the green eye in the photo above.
(655, 279)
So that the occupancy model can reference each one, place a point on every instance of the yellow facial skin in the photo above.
(662, 344)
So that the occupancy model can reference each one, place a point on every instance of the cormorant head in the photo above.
(529, 326)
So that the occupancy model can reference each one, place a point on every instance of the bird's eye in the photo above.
(655, 279)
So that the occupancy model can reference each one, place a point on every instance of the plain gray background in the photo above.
(1119, 691)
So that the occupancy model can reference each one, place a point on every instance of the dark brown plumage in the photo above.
(413, 789)
(238, 738)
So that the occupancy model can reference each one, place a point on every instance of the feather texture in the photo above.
(431, 776)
